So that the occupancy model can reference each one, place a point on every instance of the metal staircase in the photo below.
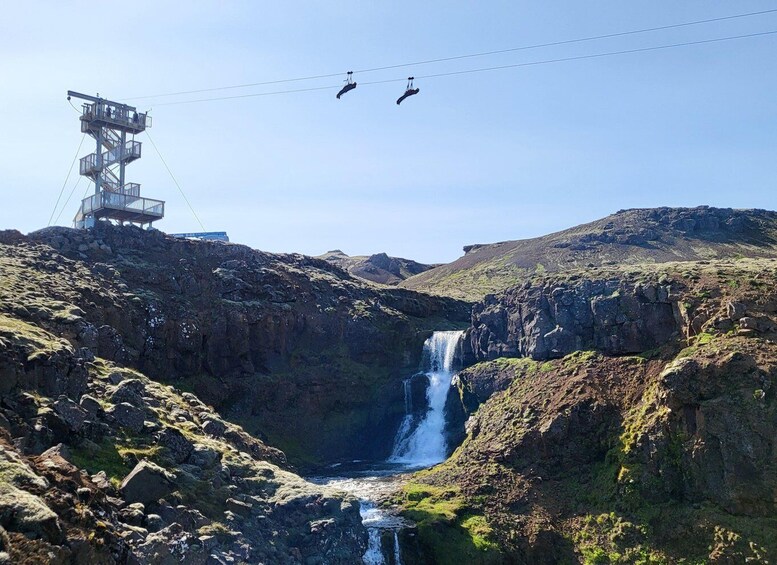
(109, 123)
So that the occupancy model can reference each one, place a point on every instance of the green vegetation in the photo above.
(448, 529)
(102, 457)
(37, 341)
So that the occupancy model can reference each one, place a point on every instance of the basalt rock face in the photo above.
(554, 318)
(290, 346)
(654, 448)
(79, 485)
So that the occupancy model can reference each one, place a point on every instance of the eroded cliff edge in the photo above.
(616, 415)
(102, 461)
(290, 346)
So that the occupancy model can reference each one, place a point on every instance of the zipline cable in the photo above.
(466, 56)
(484, 69)
(72, 190)
(172, 176)
(67, 178)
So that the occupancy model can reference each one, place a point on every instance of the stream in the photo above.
(419, 443)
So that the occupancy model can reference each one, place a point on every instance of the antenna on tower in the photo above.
(109, 123)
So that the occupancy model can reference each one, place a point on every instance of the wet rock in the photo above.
(147, 483)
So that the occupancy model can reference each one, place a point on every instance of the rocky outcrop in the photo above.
(378, 268)
(551, 319)
(147, 483)
(628, 237)
(655, 443)
(717, 410)
(291, 347)
(108, 490)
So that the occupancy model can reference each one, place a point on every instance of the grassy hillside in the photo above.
(378, 268)
(628, 237)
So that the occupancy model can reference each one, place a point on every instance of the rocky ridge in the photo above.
(616, 416)
(101, 462)
(628, 237)
(290, 346)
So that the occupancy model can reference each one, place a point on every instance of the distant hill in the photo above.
(651, 235)
(379, 268)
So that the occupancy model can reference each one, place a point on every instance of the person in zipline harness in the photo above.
(409, 91)
(349, 85)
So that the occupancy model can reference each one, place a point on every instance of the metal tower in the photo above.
(109, 123)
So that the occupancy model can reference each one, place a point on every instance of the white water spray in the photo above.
(397, 552)
(425, 445)
(374, 554)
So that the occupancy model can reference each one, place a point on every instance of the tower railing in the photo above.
(116, 116)
(110, 123)
(91, 164)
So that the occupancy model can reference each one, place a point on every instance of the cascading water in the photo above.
(417, 444)
(424, 445)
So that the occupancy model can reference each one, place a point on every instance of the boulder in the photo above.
(128, 416)
(91, 405)
(147, 483)
(204, 457)
(23, 512)
(178, 447)
(240, 508)
(130, 391)
(71, 413)
(133, 514)
(215, 428)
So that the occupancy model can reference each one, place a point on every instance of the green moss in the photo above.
(547, 367)
(145, 452)
(105, 458)
(37, 341)
(704, 338)
(448, 529)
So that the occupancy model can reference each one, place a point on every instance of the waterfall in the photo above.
(425, 444)
(374, 555)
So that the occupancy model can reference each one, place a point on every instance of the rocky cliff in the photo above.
(621, 416)
(99, 464)
(290, 346)
(637, 236)
(102, 461)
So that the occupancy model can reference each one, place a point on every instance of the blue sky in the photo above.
(474, 158)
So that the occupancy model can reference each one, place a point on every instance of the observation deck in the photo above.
(125, 206)
(110, 123)
(105, 114)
